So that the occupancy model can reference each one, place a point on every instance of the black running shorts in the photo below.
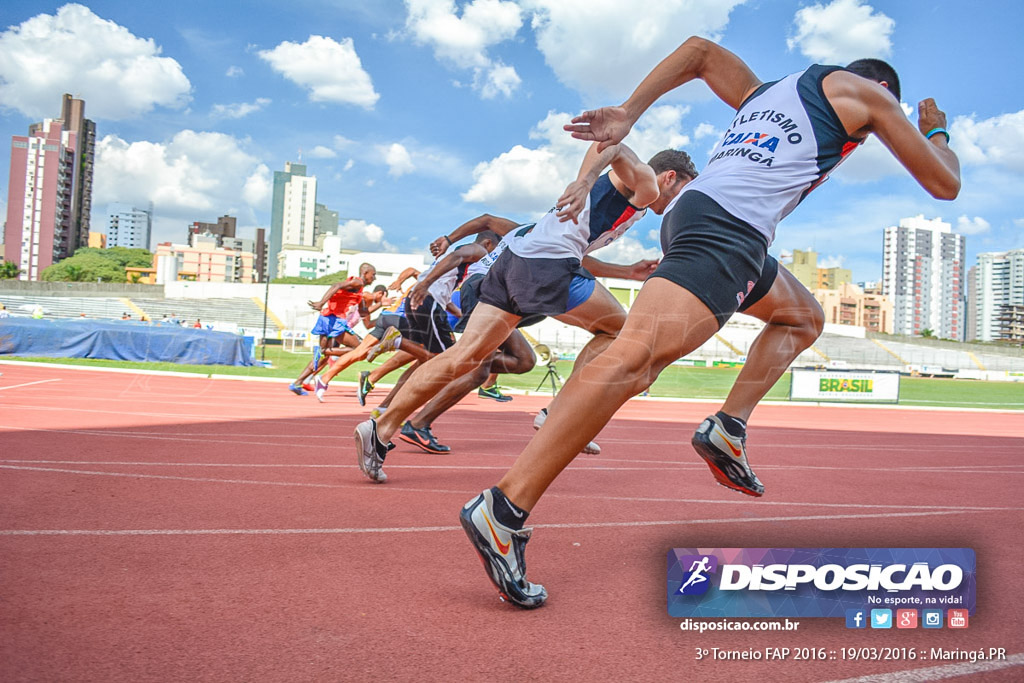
(469, 296)
(384, 321)
(720, 259)
(428, 326)
(531, 287)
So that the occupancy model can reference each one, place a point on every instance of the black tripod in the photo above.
(551, 376)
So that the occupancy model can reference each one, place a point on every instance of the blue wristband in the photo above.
(935, 131)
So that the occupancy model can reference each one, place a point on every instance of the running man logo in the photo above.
(845, 384)
(695, 581)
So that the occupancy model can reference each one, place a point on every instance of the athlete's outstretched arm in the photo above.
(499, 226)
(640, 270)
(632, 177)
(469, 253)
(930, 160)
(725, 73)
(396, 286)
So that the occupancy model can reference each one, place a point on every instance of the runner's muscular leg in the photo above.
(514, 356)
(399, 359)
(665, 323)
(794, 321)
(488, 327)
(602, 315)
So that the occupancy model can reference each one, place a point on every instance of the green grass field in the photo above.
(675, 382)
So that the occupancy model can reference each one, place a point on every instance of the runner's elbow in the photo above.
(947, 189)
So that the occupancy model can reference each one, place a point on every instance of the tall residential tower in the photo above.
(49, 191)
(924, 275)
(293, 211)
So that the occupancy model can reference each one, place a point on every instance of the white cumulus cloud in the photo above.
(603, 48)
(239, 109)
(626, 250)
(194, 176)
(972, 226)
(530, 180)
(329, 69)
(995, 141)
(119, 75)
(463, 41)
(842, 31)
(321, 152)
(358, 234)
(398, 159)
(831, 261)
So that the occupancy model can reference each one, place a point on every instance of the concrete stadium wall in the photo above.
(28, 288)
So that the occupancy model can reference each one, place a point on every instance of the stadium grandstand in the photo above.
(241, 307)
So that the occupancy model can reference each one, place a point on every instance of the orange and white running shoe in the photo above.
(501, 551)
(726, 455)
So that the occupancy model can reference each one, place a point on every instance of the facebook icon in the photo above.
(856, 618)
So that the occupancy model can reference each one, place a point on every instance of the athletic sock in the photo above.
(506, 512)
(733, 425)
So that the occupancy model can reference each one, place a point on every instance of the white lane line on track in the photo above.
(582, 466)
(28, 384)
(381, 530)
(469, 492)
(200, 438)
(937, 673)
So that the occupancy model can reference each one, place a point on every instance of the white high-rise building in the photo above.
(924, 275)
(292, 212)
(128, 226)
(998, 282)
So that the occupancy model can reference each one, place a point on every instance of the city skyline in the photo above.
(410, 132)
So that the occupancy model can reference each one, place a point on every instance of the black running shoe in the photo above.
(501, 551)
(423, 438)
(365, 387)
(726, 455)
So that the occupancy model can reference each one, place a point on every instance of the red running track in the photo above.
(157, 528)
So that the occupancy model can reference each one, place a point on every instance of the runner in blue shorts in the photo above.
(541, 273)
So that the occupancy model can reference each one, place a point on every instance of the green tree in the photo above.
(9, 270)
(927, 333)
(91, 265)
(330, 279)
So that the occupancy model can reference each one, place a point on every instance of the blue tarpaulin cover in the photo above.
(122, 340)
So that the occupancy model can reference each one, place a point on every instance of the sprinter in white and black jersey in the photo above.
(525, 283)
(784, 139)
(514, 356)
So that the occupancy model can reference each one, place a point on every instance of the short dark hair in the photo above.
(364, 266)
(487, 235)
(878, 71)
(673, 160)
(380, 288)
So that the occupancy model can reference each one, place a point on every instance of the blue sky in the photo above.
(416, 115)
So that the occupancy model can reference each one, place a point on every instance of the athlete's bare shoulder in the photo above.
(858, 101)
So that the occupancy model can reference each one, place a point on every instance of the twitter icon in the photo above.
(881, 618)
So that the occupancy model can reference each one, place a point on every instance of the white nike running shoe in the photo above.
(320, 388)
(501, 551)
(590, 449)
(726, 455)
(371, 452)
